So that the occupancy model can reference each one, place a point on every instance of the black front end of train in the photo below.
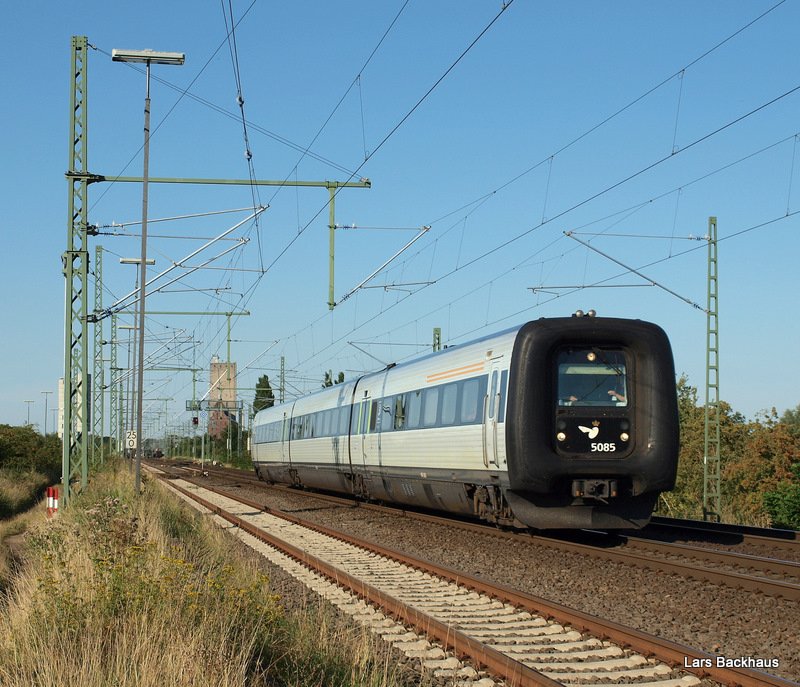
(592, 432)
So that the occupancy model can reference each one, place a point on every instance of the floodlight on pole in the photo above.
(136, 261)
(45, 394)
(29, 412)
(146, 57)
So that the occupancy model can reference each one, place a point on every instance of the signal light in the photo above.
(195, 421)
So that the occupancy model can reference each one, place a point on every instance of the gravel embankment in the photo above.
(716, 619)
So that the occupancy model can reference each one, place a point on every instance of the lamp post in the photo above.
(132, 358)
(147, 57)
(28, 423)
(45, 394)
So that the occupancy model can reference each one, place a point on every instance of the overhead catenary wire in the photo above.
(357, 326)
(399, 124)
(779, 3)
(305, 151)
(248, 153)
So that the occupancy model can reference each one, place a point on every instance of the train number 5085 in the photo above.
(603, 447)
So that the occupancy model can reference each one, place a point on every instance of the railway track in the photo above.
(757, 574)
(677, 529)
(522, 639)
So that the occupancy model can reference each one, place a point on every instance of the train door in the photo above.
(491, 413)
(359, 449)
(369, 432)
(286, 446)
(285, 439)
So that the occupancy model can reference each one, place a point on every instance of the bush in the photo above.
(783, 504)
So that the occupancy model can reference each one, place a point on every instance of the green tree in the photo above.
(264, 397)
(330, 381)
(687, 499)
(783, 503)
(791, 418)
(23, 448)
(762, 466)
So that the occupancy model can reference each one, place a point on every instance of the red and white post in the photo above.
(52, 501)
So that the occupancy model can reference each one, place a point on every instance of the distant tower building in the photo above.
(222, 397)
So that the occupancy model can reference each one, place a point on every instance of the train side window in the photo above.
(413, 409)
(501, 411)
(430, 406)
(470, 401)
(373, 416)
(493, 394)
(344, 419)
(336, 421)
(449, 404)
(399, 411)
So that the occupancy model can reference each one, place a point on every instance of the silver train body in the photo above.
(558, 423)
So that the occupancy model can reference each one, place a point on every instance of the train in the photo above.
(558, 423)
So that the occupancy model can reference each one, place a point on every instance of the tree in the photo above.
(687, 498)
(23, 448)
(791, 418)
(783, 504)
(762, 466)
(264, 397)
(330, 381)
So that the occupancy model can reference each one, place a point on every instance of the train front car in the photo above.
(592, 423)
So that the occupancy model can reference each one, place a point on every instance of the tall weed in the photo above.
(144, 592)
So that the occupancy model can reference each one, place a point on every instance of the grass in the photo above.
(19, 490)
(128, 591)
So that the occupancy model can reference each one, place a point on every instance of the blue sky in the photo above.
(626, 123)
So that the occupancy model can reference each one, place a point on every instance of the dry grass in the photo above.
(18, 489)
(140, 592)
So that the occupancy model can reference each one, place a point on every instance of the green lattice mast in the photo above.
(712, 493)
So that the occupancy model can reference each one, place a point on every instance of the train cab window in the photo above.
(449, 404)
(592, 377)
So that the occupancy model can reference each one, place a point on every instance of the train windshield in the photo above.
(592, 377)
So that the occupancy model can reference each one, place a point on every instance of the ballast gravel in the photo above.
(716, 619)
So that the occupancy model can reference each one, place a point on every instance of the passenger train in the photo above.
(567, 422)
